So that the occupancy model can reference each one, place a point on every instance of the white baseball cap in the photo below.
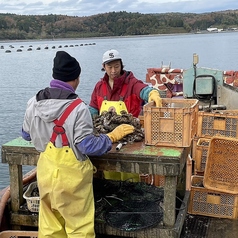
(110, 55)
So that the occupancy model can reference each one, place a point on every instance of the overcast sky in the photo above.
(92, 7)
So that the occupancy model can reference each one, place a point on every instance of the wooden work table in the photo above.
(134, 158)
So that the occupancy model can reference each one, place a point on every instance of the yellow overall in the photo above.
(115, 106)
(66, 194)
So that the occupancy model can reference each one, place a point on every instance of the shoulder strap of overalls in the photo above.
(123, 91)
(58, 128)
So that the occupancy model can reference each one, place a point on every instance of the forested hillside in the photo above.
(121, 23)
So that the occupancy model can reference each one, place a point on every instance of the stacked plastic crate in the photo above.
(214, 187)
(173, 124)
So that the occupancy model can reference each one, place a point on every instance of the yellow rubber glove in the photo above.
(154, 96)
(120, 131)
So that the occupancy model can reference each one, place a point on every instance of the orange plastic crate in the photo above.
(221, 172)
(194, 146)
(173, 124)
(156, 180)
(207, 202)
(218, 123)
(201, 152)
(18, 234)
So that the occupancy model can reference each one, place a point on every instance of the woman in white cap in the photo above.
(119, 89)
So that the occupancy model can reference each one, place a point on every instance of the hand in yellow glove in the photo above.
(154, 96)
(120, 131)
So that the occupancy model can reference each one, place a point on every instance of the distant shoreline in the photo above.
(110, 37)
(98, 37)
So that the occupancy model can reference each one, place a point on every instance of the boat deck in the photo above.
(196, 226)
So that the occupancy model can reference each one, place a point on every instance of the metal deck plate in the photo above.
(195, 226)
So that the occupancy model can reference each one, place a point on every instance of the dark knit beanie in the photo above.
(66, 68)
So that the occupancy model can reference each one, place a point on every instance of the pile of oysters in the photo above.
(109, 120)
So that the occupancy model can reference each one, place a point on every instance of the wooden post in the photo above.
(169, 200)
(16, 186)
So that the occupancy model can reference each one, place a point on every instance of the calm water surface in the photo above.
(22, 74)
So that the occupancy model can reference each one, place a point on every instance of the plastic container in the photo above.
(218, 123)
(201, 152)
(221, 172)
(207, 202)
(32, 202)
(173, 124)
(153, 179)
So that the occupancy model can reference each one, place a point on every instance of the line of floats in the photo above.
(46, 47)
